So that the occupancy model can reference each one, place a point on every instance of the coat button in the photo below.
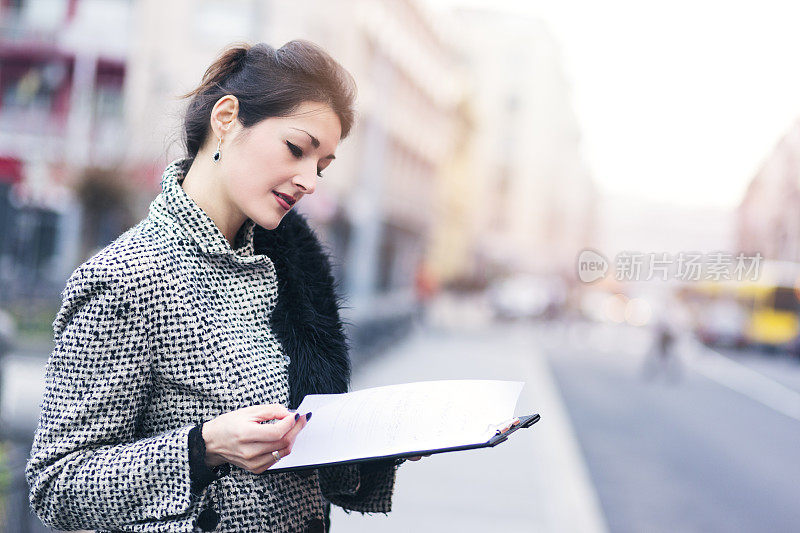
(316, 525)
(208, 519)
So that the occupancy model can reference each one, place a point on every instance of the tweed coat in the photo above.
(170, 326)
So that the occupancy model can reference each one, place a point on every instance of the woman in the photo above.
(181, 347)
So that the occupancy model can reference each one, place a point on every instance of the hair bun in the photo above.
(238, 55)
(228, 63)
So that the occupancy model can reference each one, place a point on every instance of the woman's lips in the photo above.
(282, 201)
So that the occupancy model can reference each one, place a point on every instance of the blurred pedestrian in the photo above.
(662, 357)
(213, 315)
(425, 288)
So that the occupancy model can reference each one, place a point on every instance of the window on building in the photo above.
(108, 90)
(34, 93)
(107, 112)
(46, 15)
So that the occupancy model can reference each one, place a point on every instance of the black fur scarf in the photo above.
(306, 317)
(306, 322)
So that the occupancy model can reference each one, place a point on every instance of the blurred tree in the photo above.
(106, 204)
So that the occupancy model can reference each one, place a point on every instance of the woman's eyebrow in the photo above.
(315, 142)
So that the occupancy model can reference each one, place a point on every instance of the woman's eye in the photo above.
(296, 151)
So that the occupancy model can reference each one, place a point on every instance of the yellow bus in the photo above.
(761, 312)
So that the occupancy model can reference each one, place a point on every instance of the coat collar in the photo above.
(196, 224)
(306, 318)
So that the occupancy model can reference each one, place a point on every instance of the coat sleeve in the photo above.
(365, 487)
(87, 469)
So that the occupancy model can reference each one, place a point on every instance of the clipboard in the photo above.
(500, 435)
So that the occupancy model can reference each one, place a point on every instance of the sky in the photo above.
(679, 102)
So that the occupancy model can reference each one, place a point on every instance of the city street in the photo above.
(705, 444)
(487, 190)
(715, 450)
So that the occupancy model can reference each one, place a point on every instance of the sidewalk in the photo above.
(536, 481)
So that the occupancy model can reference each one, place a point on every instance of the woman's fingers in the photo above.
(254, 432)
(275, 430)
(267, 411)
(296, 428)
(268, 459)
(284, 445)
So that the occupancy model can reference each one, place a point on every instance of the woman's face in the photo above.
(268, 167)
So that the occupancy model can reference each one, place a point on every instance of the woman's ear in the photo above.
(224, 118)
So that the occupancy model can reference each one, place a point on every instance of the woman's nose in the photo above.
(306, 182)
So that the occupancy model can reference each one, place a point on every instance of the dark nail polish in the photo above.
(296, 416)
(308, 416)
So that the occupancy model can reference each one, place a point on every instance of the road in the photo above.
(713, 450)
(708, 444)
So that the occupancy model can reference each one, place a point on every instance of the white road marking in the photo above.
(716, 367)
(574, 494)
(747, 381)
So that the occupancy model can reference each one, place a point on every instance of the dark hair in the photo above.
(269, 82)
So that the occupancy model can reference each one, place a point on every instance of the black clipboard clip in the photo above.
(504, 429)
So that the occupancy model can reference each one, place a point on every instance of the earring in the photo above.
(218, 154)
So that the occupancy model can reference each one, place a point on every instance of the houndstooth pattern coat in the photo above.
(169, 326)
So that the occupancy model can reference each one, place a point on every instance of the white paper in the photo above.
(410, 417)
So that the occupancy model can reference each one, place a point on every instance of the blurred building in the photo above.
(537, 202)
(62, 70)
(768, 217)
(454, 247)
(90, 95)
(466, 152)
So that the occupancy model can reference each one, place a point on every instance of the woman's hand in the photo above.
(239, 437)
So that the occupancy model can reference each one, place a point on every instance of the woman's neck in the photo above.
(203, 184)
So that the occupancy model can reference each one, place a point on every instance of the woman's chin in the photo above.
(270, 223)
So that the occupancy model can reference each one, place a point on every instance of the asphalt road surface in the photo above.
(708, 443)
(703, 441)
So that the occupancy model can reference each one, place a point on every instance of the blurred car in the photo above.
(723, 323)
(526, 296)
